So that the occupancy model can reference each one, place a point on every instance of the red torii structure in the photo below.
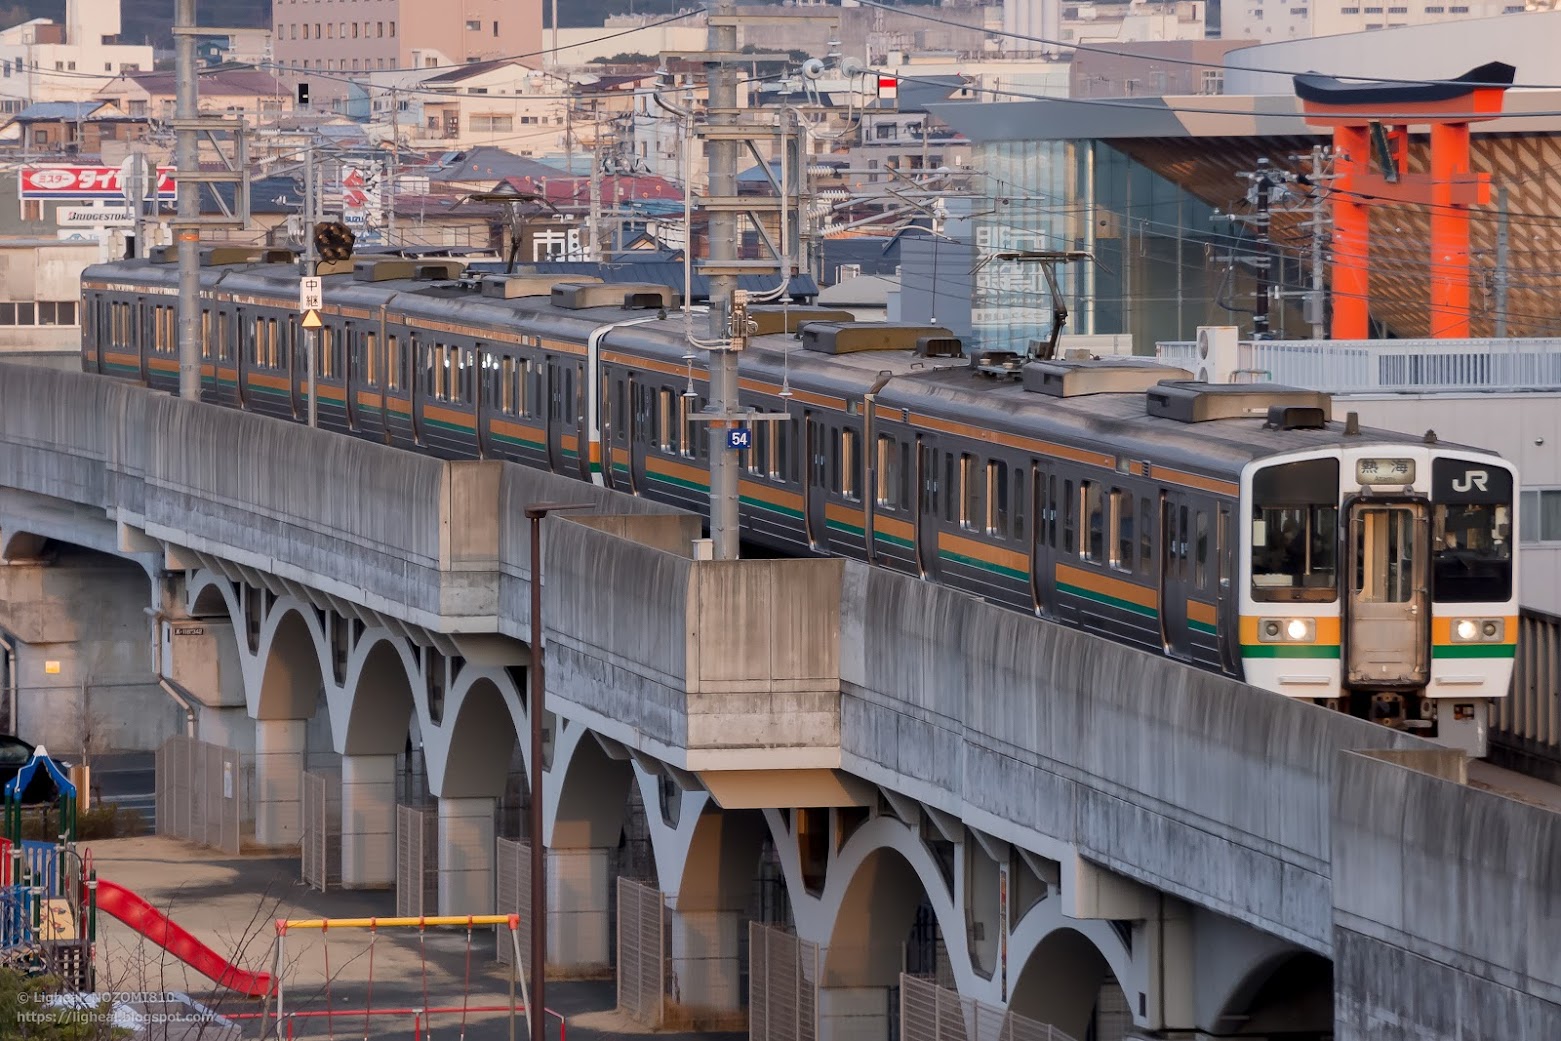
(1354, 110)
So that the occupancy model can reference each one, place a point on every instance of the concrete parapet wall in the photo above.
(713, 661)
(59, 430)
(1189, 782)
(1439, 896)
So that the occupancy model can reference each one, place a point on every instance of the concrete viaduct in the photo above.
(1073, 813)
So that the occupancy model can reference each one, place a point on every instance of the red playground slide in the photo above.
(155, 926)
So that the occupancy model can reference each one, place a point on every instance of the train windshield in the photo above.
(1472, 532)
(1295, 526)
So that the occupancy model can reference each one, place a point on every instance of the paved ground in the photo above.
(231, 904)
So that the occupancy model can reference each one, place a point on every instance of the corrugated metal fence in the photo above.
(642, 952)
(319, 844)
(417, 861)
(929, 1012)
(783, 974)
(199, 793)
(1526, 725)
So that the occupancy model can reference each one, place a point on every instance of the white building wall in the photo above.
(69, 71)
(1277, 21)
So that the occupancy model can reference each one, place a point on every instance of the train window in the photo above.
(850, 487)
(1295, 516)
(273, 354)
(257, 344)
(392, 362)
(1122, 529)
(666, 414)
(685, 444)
(1472, 531)
(1070, 512)
(1145, 534)
(888, 473)
(370, 367)
(328, 346)
(1222, 548)
(779, 438)
(1019, 504)
(507, 386)
(997, 499)
(1094, 545)
(620, 413)
(1182, 528)
(224, 345)
(1201, 536)
(907, 475)
(967, 496)
(1385, 550)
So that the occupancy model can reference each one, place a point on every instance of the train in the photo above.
(1241, 528)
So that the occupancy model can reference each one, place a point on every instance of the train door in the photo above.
(1043, 508)
(143, 343)
(293, 344)
(639, 430)
(816, 488)
(574, 391)
(417, 384)
(484, 393)
(557, 422)
(1176, 583)
(1388, 623)
(1225, 608)
(242, 359)
(352, 374)
(927, 499)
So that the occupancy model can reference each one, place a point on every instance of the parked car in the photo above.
(15, 754)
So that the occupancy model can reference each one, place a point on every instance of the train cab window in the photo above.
(1070, 523)
(1094, 546)
(850, 486)
(1122, 530)
(997, 499)
(1471, 529)
(1201, 544)
(1294, 528)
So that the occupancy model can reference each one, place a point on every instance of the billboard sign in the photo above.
(92, 217)
(84, 183)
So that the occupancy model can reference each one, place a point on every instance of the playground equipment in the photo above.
(50, 897)
(47, 922)
(281, 1022)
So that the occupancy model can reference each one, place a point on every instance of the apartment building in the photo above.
(1268, 21)
(45, 60)
(343, 37)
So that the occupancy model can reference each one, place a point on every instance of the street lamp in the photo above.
(538, 1021)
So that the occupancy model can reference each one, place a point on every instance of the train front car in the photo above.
(1381, 581)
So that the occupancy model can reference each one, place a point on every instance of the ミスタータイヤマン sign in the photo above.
(83, 183)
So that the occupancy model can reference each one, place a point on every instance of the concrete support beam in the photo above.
(853, 1013)
(466, 855)
(578, 882)
(705, 969)
(368, 821)
(279, 766)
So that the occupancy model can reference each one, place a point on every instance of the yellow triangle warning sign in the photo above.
(312, 320)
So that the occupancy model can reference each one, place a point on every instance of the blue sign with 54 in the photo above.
(739, 438)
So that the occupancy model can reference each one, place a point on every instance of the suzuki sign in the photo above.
(82, 183)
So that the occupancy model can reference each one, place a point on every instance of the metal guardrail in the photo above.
(1391, 366)
(1526, 726)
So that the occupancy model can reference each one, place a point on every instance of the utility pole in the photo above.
(1262, 185)
(1322, 233)
(722, 153)
(596, 190)
(1502, 277)
(187, 158)
(395, 164)
(311, 336)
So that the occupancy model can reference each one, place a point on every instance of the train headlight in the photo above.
(1287, 630)
(1479, 630)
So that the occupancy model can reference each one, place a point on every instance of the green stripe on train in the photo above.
(1109, 601)
(1474, 650)
(1290, 650)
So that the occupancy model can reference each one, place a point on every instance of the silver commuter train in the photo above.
(1241, 529)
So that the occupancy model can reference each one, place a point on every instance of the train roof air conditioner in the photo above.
(1219, 354)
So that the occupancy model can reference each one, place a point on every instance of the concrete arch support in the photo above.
(583, 817)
